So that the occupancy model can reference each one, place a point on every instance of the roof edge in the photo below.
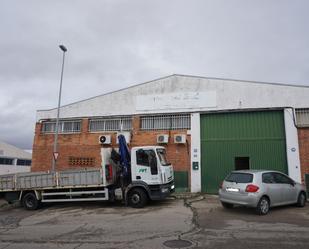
(119, 90)
(244, 81)
(179, 75)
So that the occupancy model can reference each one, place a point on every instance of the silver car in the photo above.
(261, 189)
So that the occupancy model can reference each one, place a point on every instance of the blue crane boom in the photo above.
(125, 157)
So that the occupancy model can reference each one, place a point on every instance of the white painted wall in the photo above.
(11, 169)
(195, 152)
(230, 94)
(176, 101)
(292, 149)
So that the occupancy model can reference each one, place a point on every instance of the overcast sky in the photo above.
(114, 44)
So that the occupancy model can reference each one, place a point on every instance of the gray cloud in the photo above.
(114, 44)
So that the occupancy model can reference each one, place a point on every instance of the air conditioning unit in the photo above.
(105, 139)
(180, 139)
(162, 139)
(127, 136)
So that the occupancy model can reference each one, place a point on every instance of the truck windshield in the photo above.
(162, 157)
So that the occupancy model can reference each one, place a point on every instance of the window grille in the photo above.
(70, 126)
(23, 162)
(302, 117)
(166, 122)
(6, 161)
(81, 161)
(110, 124)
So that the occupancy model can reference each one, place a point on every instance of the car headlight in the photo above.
(173, 186)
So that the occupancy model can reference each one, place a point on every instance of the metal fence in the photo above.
(302, 117)
(70, 126)
(110, 124)
(166, 122)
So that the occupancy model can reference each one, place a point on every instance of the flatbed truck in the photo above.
(133, 176)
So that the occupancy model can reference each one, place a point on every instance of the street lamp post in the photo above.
(54, 162)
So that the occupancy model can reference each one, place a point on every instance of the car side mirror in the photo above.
(293, 183)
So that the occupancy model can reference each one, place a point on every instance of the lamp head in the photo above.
(63, 48)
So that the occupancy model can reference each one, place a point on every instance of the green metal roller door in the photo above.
(227, 139)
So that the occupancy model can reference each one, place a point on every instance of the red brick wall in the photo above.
(303, 139)
(82, 144)
(86, 144)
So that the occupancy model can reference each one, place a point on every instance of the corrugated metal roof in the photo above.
(8, 150)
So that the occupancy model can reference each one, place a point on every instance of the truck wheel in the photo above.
(301, 200)
(137, 198)
(30, 202)
(263, 206)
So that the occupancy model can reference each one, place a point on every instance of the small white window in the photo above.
(67, 126)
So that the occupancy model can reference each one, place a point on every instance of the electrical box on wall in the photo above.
(180, 139)
(162, 139)
(127, 136)
(105, 139)
(195, 165)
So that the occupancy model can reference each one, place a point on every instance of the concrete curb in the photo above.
(185, 195)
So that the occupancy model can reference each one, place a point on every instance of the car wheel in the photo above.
(30, 202)
(227, 205)
(263, 206)
(301, 200)
(137, 198)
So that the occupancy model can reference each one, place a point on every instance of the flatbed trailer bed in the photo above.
(53, 180)
(61, 186)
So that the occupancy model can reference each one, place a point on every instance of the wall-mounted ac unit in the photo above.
(180, 139)
(127, 136)
(105, 139)
(162, 139)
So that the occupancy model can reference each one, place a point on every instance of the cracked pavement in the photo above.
(94, 225)
(199, 219)
(238, 228)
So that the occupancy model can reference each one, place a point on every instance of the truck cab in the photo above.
(149, 164)
(152, 176)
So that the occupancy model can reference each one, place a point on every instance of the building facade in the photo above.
(13, 159)
(209, 127)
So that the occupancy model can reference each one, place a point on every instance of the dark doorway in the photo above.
(241, 163)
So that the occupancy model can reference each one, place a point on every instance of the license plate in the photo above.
(232, 189)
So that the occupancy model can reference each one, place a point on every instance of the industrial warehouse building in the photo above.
(13, 159)
(209, 127)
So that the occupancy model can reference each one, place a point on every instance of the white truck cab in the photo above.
(149, 164)
(151, 175)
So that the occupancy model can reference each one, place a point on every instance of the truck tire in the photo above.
(30, 202)
(137, 198)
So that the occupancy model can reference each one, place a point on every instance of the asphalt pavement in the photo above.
(186, 222)
(240, 228)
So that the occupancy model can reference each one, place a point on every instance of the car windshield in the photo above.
(162, 157)
(239, 178)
